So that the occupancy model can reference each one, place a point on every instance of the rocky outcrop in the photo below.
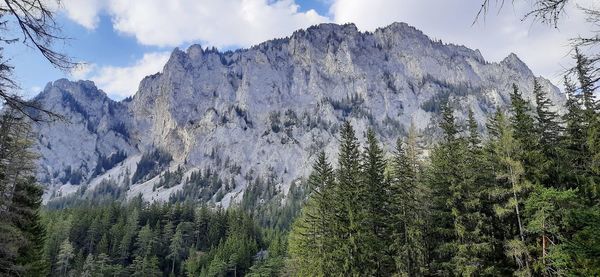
(268, 109)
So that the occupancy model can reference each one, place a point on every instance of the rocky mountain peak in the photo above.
(264, 112)
(81, 90)
(514, 62)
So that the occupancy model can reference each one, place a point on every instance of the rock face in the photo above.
(269, 109)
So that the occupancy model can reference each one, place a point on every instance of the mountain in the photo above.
(262, 113)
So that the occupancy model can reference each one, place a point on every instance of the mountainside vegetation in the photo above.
(518, 196)
(522, 201)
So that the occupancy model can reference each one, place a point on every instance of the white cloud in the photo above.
(544, 48)
(235, 23)
(120, 82)
(84, 12)
(220, 23)
(82, 70)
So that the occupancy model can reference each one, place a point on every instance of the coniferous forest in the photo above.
(522, 199)
(516, 196)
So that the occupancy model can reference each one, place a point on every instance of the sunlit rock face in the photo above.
(267, 110)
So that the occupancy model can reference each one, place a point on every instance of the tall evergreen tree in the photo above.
(176, 248)
(65, 258)
(549, 132)
(574, 148)
(311, 238)
(458, 219)
(21, 232)
(510, 193)
(354, 233)
(524, 132)
(586, 83)
(408, 207)
(376, 201)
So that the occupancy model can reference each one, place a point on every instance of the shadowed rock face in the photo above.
(268, 109)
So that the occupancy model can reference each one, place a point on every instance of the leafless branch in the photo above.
(545, 11)
(39, 29)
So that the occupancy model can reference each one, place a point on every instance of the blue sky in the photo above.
(120, 42)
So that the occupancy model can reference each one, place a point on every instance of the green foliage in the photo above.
(522, 201)
(408, 207)
(21, 232)
(139, 239)
(150, 164)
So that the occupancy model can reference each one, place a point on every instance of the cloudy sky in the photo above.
(123, 41)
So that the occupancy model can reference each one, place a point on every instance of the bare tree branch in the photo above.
(39, 29)
(35, 20)
(544, 11)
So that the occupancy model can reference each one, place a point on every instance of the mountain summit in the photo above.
(263, 113)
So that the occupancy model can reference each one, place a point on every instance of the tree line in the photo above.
(523, 200)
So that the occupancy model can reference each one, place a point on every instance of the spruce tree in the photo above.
(548, 125)
(586, 84)
(354, 235)
(312, 237)
(525, 133)
(549, 132)
(145, 241)
(574, 150)
(546, 212)
(408, 208)
(376, 201)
